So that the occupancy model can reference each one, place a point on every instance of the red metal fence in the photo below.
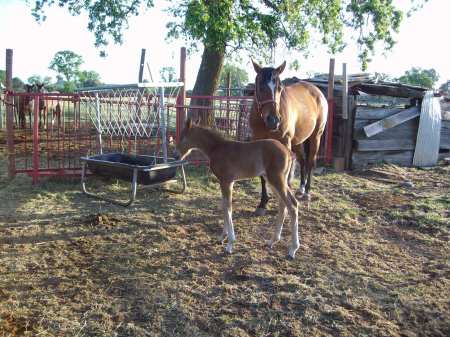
(52, 131)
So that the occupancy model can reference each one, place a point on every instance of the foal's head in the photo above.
(187, 140)
(268, 89)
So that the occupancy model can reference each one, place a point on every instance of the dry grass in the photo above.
(374, 260)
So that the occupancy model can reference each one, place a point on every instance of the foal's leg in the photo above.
(279, 222)
(227, 189)
(279, 183)
(293, 211)
(261, 210)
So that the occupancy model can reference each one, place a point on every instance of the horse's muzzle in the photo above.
(272, 122)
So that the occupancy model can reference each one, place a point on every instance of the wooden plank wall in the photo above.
(395, 145)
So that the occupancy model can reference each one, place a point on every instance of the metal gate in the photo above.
(49, 132)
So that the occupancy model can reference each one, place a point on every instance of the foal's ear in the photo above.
(280, 69)
(256, 66)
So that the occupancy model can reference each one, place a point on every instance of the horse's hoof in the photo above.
(260, 211)
(299, 194)
(229, 249)
(271, 243)
(304, 197)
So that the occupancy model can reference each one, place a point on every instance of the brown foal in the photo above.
(231, 161)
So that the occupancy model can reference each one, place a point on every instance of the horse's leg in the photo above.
(291, 174)
(279, 222)
(314, 144)
(261, 210)
(299, 150)
(227, 189)
(224, 233)
(44, 115)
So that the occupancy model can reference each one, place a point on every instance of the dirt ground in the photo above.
(374, 260)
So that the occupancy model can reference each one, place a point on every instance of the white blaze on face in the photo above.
(271, 85)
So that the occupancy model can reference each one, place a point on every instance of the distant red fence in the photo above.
(50, 132)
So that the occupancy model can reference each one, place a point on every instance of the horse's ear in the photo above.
(256, 66)
(280, 69)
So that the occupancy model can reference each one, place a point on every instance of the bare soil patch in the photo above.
(374, 260)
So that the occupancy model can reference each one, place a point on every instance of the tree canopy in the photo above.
(168, 74)
(238, 76)
(88, 78)
(227, 26)
(66, 63)
(421, 77)
(17, 83)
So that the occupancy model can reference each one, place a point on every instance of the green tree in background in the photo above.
(66, 63)
(238, 76)
(168, 74)
(17, 83)
(227, 26)
(426, 78)
(88, 78)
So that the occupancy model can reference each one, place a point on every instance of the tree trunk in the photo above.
(206, 84)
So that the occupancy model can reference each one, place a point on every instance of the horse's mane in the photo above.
(212, 133)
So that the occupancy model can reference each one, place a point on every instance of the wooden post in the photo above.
(141, 66)
(10, 115)
(348, 119)
(344, 92)
(349, 126)
(228, 122)
(181, 99)
(330, 98)
(331, 80)
(36, 160)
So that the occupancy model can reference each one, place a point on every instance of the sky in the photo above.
(422, 42)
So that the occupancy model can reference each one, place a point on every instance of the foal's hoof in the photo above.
(222, 238)
(292, 251)
(260, 211)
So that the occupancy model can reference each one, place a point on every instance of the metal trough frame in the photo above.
(134, 180)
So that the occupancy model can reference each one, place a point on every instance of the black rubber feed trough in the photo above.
(136, 169)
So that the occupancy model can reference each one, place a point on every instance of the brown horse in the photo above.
(295, 115)
(231, 161)
(39, 88)
(24, 105)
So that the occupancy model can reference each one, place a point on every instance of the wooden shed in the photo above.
(380, 124)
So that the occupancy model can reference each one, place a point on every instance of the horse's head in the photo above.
(40, 87)
(187, 140)
(29, 87)
(268, 90)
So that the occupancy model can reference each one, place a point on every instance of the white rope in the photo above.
(429, 132)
